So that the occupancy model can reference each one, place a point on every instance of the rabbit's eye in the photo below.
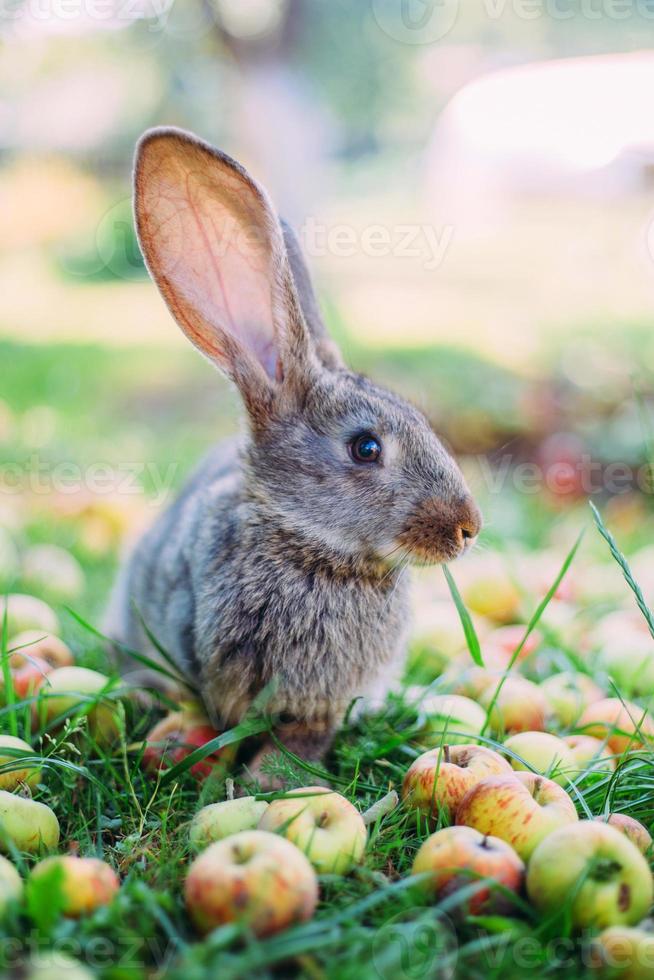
(365, 448)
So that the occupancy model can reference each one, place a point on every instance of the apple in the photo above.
(11, 884)
(595, 871)
(255, 878)
(543, 753)
(26, 824)
(55, 965)
(27, 679)
(454, 856)
(520, 706)
(323, 824)
(521, 809)
(463, 677)
(624, 725)
(85, 883)
(589, 753)
(490, 591)
(73, 689)
(439, 779)
(33, 644)
(568, 694)
(630, 663)
(625, 952)
(25, 612)
(177, 735)
(450, 717)
(219, 820)
(507, 639)
(54, 571)
(631, 828)
(10, 779)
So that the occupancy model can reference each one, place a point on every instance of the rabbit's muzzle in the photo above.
(440, 530)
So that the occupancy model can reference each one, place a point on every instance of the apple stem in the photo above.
(379, 809)
(229, 789)
(446, 753)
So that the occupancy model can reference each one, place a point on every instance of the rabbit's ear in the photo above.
(215, 248)
(324, 346)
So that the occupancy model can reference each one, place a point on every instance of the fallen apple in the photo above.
(35, 644)
(519, 706)
(11, 778)
(568, 694)
(26, 612)
(507, 639)
(589, 754)
(53, 571)
(70, 690)
(26, 824)
(630, 663)
(178, 735)
(219, 820)
(254, 878)
(455, 856)
(543, 753)
(439, 779)
(631, 828)
(471, 681)
(323, 824)
(626, 952)
(55, 965)
(592, 870)
(27, 678)
(449, 717)
(490, 591)
(520, 809)
(11, 884)
(84, 883)
(624, 725)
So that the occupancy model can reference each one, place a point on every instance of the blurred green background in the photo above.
(474, 186)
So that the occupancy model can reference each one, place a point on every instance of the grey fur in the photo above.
(282, 565)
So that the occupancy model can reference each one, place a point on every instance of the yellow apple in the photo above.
(219, 820)
(542, 753)
(624, 725)
(26, 824)
(323, 824)
(45, 646)
(568, 694)
(11, 884)
(625, 952)
(26, 612)
(520, 706)
(449, 717)
(69, 689)
(255, 878)
(10, 779)
(589, 753)
(596, 871)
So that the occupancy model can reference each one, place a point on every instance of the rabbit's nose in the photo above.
(470, 522)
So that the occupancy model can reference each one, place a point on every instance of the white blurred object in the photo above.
(54, 571)
(583, 124)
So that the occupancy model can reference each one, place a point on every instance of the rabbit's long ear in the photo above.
(325, 347)
(215, 248)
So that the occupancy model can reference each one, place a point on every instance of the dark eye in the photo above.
(365, 448)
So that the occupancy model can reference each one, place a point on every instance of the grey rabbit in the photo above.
(282, 565)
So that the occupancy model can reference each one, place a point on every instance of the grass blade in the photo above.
(466, 620)
(624, 565)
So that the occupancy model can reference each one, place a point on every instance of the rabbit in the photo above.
(282, 566)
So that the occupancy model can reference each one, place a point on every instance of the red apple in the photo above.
(85, 883)
(255, 878)
(455, 856)
(521, 809)
(439, 779)
(177, 735)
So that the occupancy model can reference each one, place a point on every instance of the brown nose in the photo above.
(439, 530)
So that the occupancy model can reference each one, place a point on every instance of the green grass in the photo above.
(376, 922)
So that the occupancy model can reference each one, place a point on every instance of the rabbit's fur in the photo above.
(282, 565)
